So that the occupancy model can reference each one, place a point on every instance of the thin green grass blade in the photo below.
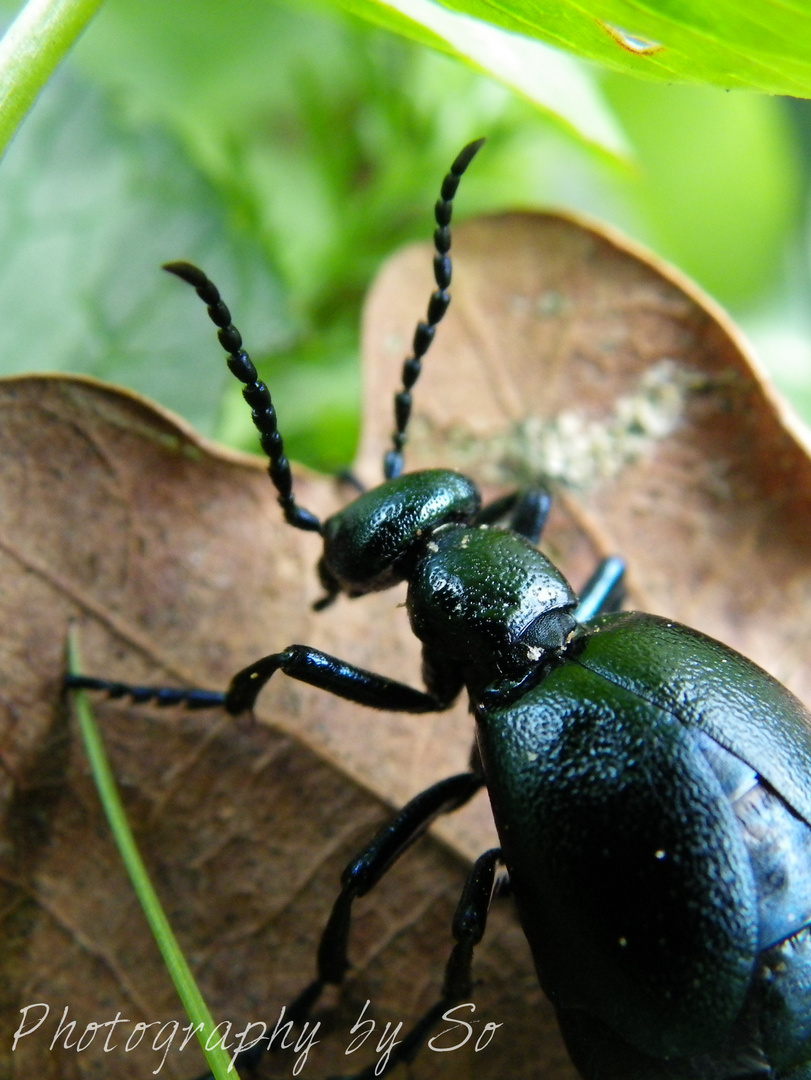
(218, 1058)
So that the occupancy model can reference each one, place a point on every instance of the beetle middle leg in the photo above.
(468, 927)
(360, 877)
(469, 923)
(603, 593)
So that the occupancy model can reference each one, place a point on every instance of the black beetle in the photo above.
(651, 787)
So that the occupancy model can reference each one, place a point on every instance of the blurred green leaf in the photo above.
(546, 77)
(91, 210)
(326, 140)
(762, 44)
(307, 146)
(718, 182)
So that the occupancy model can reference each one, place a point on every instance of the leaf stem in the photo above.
(31, 49)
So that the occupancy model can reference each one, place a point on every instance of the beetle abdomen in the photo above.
(651, 865)
(710, 687)
(776, 1021)
(770, 1040)
(627, 864)
(777, 840)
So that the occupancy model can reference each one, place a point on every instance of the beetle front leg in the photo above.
(525, 512)
(299, 662)
(336, 676)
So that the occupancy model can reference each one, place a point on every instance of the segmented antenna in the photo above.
(437, 306)
(254, 391)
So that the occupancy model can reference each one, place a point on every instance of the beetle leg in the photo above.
(469, 924)
(443, 680)
(346, 476)
(299, 662)
(329, 673)
(603, 592)
(360, 876)
(364, 872)
(159, 695)
(525, 512)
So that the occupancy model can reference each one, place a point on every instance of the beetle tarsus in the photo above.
(164, 696)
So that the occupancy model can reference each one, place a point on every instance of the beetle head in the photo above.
(373, 543)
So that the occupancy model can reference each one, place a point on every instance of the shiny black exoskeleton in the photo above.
(651, 787)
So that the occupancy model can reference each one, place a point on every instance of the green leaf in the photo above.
(563, 88)
(326, 138)
(718, 182)
(761, 44)
(91, 211)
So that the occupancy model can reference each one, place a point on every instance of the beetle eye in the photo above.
(549, 631)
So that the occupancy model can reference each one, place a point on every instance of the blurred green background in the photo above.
(289, 148)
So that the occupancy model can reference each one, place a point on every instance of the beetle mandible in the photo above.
(651, 787)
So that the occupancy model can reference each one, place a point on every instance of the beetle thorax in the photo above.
(487, 598)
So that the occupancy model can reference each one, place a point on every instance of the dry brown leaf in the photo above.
(173, 561)
(568, 352)
(173, 558)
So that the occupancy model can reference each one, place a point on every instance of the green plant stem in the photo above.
(31, 49)
(218, 1058)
